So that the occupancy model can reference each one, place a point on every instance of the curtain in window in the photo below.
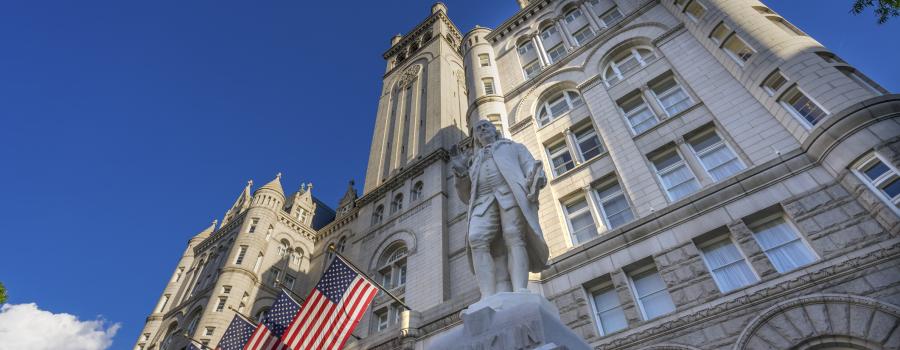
(728, 266)
(782, 245)
(610, 313)
(721, 162)
(680, 182)
(617, 211)
(642, 120)
(654, 297)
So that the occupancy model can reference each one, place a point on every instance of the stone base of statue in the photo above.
(512, 321)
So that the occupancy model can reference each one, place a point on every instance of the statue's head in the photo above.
(485, 132)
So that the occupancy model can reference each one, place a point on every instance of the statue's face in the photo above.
(485, 132)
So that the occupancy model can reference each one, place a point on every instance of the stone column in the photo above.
(743, 237)
(592, 17)
(572, 144)
(690, 158)
(653, 103)
(568, 40)
(542, 54)
(593, 204)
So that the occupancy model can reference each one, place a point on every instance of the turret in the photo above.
(483, 80)
(301, 205)
(240, 204)
(271, 195)
(348, 202)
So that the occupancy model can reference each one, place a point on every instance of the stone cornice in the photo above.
(221, 232)
(518, 18)
(295, 225)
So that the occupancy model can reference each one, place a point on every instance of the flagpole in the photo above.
(188, 337)
(248, 319)
(360, 271)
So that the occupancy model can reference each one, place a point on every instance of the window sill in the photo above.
(577, 168)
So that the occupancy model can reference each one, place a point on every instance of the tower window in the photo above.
(860, 79)
(377, 214)
(774, 82)
(416, 192)
(221, 305)
(240, 256)
(488, 86)
(484, 60)
(785, 26)
(738, 49)
(695, 10)
(253, 223)
(720, 32)
(258, 262)
(801, 106)
(880, 177)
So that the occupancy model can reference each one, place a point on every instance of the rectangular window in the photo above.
(561, 158)
(178, 274)
(488, 86)
(614, 206)
(257, 263)
(651, 294)
(608, 308)
(532, 69)
(253, 223)
(695, 10)
(588, 143)
(289, 281)
(556, 53)
(717, 158)
(670, 95)
(221, 305)
(786, 26)
(802, 106)
(162, 303)
(727, 264)
(583, 35)
(738, 49)
(525, 48)
(611, 17)
(640, 116)
(484, 60)
(675, 175)
(226, 289)
(781, 243)
(381, 320)
(209, 331)
(581, 223)
(774, 82)
(240, 256)
(719, 33)
(880, 177)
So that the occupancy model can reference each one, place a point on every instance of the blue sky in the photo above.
(128, 126)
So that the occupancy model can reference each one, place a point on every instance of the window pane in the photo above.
(695, 10)
(589, 143)
(584, 35)
(583, 228)
(666, 160)
(609, 312)
(892, 189)
(561, 159)
(612, 17)
(652, 295)
(876, 170)
(720, 32)
(628, 64)
(673, 99)
(737, 47)
(556, 53)
(729, 268)
(803, 106)
(782, 245)
(642, 119)
(532, 69)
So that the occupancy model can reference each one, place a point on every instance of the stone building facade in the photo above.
(717, 180)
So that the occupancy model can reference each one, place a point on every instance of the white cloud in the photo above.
(24, 326)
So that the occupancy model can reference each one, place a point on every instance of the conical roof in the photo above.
(274, 185)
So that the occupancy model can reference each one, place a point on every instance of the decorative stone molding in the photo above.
(409, 76)
(813, 326)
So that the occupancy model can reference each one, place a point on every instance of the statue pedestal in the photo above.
(510, 321)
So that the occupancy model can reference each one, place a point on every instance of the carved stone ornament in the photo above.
(410, 75)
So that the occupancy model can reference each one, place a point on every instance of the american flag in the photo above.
(274, 323)
(236, 335)
(332, 310)
(191, 346)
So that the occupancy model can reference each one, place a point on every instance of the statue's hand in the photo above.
(459, 161)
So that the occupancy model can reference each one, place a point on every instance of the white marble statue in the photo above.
(500, 181)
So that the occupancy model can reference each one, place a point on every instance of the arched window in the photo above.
(296, 256)
(627, 61)
(338, 247)
(557, 104)
(195, 320)
(392, 266)
(284, 248)
(416, 192)
(269, 232)
(377, 214)
(397, 203)
(171, 333)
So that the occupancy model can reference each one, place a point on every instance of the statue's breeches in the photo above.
(509, 223)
